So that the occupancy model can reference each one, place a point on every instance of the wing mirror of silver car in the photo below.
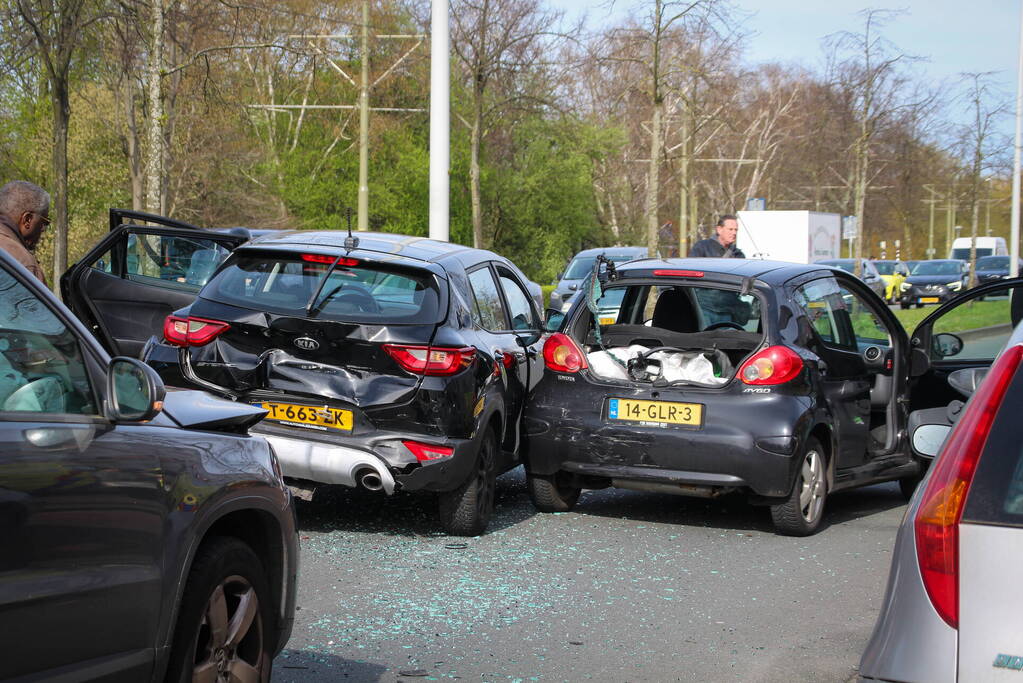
(135, 392)
(929, 438)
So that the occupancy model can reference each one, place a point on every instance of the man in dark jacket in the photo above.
(722, 245)
(720, 305)
(24, 215)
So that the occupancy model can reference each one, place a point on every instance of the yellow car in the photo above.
(894, 273)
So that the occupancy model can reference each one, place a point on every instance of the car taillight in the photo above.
(562, 354)
(773, 365)
(936, 526)
(428, 451)
(191, 331)
(431, 360)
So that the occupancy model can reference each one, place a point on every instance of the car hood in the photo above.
(998, 272)
(932, 279)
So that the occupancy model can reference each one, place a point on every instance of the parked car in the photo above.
(991, 268)
(386, 362)
(132, 519)
(581, 265)
(780, 381)
(951, 609)
(868, 273)
(933, 282)
(894, 273)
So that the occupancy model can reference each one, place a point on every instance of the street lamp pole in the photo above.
(1014, 235)
(440, 121)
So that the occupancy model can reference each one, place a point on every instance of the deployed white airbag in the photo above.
(675, 366)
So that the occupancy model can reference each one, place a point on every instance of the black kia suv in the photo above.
(384, 361)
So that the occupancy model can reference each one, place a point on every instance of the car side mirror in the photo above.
(552, 319)
(946, 344)
(135, 392)
(927, 439)
(525, 340)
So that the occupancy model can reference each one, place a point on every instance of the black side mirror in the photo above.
(135, 392)
(946, 344)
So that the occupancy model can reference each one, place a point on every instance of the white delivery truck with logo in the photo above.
(796, 236)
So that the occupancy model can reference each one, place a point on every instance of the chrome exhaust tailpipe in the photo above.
(371, 481)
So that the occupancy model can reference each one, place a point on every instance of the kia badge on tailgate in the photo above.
(307, 343)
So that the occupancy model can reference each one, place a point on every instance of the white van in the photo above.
(986, 246)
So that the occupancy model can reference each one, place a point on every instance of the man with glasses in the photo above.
(24, 215)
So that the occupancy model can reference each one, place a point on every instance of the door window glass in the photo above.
(41, 366)
(975, 330)
(519, 308)
(188, 261)
(488, 311)
(827, 310)
(867, 327)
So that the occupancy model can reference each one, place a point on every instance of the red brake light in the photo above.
(562, 354)
(427, 451)
(679, 273)
(322, 258)
(773, 365)
(431, 360)
(192, 331)
(936, 526)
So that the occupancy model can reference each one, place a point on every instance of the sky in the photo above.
(952, 36)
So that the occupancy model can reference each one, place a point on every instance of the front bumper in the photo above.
(933, 294)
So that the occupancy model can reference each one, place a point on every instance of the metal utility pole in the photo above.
(440, 121)
(364, 123)
(1014, 228)
(935, 198)
(683, 196)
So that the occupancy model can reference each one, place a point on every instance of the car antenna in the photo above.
(350, 242)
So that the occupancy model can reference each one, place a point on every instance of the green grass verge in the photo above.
(970, 316)
(547, 289)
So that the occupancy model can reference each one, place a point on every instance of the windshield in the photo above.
(993, 263)
(581, 267)
(885, 267)
(936, 268)
(964, 253)
(361, 291)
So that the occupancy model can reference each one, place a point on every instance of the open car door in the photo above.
(137, 275)
(965, 333)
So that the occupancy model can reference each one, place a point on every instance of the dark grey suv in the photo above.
(144, 535)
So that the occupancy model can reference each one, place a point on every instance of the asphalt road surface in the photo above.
(629, 586)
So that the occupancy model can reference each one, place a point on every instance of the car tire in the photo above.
(549, 493)
(801, 514)
(903, 305)
(226, 584)
(466, 511)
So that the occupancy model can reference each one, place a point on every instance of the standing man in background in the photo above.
(722, 245)
(24, 215)
(720, 305)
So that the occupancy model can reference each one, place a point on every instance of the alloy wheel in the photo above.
(811, 495)
(230, 642)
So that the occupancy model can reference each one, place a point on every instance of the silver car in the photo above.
(953, 604)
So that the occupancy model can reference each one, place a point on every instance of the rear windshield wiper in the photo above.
(320, 285)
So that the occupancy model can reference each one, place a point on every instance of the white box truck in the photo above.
(795, 236)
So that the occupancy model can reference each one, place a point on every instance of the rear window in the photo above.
(679, 309)
(996, 495)
(361, 292)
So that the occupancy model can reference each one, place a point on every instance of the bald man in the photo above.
(24, 215)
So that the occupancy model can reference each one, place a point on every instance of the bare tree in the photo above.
(59, 28)
(986, 107)
(870, 74)
(496, 42)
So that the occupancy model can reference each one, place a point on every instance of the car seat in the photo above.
(202, 265)
(674, 311)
